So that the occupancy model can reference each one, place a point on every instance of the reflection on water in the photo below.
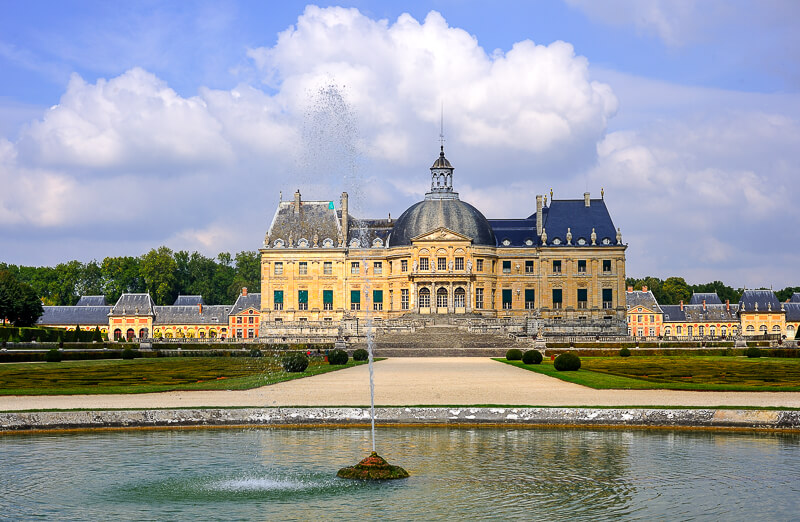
(455, 473)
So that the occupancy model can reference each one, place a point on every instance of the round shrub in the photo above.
(514, 355)
(567, 362)
(129, 353)
(338, 356)
(624, 352)
(360, 355)
(53, 356)
(532, 357)
(295, 362)
(255, 352)
(753, 352)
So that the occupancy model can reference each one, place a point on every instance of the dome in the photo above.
(452, 214)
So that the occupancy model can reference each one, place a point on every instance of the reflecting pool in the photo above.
(456, 473)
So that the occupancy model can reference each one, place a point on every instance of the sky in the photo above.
(129, 125)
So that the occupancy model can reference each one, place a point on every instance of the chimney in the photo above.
(539, 215)
(644, 289)
(728, 305)
(704, 305)
(630, 289)
(586, 201)
(345, 217)
(244, 291)
(681, 305)
(200, 308)
(297, 201)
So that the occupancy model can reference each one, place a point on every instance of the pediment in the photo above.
(441, 234)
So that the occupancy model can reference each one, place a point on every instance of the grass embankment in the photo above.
(150, 375)
(679, 373)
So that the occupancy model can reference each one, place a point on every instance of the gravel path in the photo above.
(411, 382)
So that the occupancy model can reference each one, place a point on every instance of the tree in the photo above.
(247, 272)
(675, 290)
(19, 303)
(722, 290)
(158, 269)
(121, 275)
(786, 293)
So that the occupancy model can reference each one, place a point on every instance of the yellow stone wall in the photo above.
(706, 327)
(190, 331)
(752, 322)
(124, 323)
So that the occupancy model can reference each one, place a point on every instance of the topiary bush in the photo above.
(753, 352)
(294, 362)
(514, 355)
(129, 353)
(624, 352)
(360, 355)
(338, 357)
(532, 357)
(567, 362)
(53, 355)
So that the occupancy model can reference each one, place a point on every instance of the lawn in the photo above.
(679, 373)
(150, 375)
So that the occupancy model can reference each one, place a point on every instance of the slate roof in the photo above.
(673, 313)
(133, 304)
(367, 230)
(212, 314)
(315, 217)
(243, 302)
(580, 219)
(710, 298)
(517, 232)
(452, 214)
(795, 298)
(189, 300)
(764, 298)
(72, 315)
(92, 300)
(645, 299)
(792, 311)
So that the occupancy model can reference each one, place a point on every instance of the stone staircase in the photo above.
(443, 340)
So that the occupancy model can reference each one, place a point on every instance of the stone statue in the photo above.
(594, 237)
(544, 236)
(316, 240)
(619, 236)
(469, 266)
(450, 265)
(266, 239)
(414, 268)
(569, 236)
(291, 241)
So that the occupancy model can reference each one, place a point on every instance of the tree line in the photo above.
(673, 290)
(161, 272)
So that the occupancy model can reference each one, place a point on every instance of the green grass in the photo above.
(150, 375)
(679, 373)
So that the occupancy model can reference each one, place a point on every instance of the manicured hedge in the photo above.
(567, 362)
(649, 344)
(295, 362)
(532, 357)
(360, 355)
(514, 354)
(338, 357)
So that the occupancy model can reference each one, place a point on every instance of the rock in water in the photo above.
(373, 467)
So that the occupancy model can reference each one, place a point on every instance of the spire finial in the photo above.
(441, 130)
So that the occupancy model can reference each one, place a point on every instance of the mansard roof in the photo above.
(708, 297)
(243, 302)
(792, 311)
(366, 231)
(189, 300)
(673, 313)
(580, 219)
(795, 298)
(92, 300)
(515, 232)
(314, 217)
(133, 304)
(208, 314)
(696, 313)
(645, 299)
(765, 299)
(72, 315)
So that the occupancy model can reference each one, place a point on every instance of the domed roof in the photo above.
(441, 161)
(452, 214)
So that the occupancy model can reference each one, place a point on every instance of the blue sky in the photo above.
(124, 126)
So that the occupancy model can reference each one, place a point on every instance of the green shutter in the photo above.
(355, 296)
(607, 294)
(530, 294)
(506, 295)
(377, 296)
(327, 296)
(582, 294)
(556, 295)
(302, 296)
(277, 296)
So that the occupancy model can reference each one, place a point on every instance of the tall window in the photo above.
(327, 268)
(277, 299)
(606, 266)
(441, 263)
(404, 265)
(528, 267)
(303, 267)
(302, 299)
(327, 299)
(459, 297)
(424, 298)
(557, 266)
(355, 299)
(557, 298)
(506, 267)
(278, 268)
(530, 298)
(355, 266)
(377, 300)
(581, 266)
(479, 265)
(608, 295)
(423, 263)
(459, 263)
(479, 298)
(441, 298)
(377, 267)
(507, 296)
(582, 298)
(404, 299)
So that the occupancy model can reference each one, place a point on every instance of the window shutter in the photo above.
(278, 296)
(302, 296)
(377, 296)
(327, 296)
(355, 296)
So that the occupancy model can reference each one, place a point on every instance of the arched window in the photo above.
(117, 334)
(712, 331)
(667, 331)
(441, 298)
(202, 334)
(776, 329)
(129, 334)
(169, 335)
(143, 333)
(424, 298)
(762, 329)
(751, 329)
(724, 331)
(460, 297)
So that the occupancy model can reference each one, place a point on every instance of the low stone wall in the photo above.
(573, 417)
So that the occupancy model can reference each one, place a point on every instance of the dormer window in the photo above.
(506, 242)
(581, 241)
(355, 243)
(556, 241)
(606, 241)
(327, 243)
(302, 243)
